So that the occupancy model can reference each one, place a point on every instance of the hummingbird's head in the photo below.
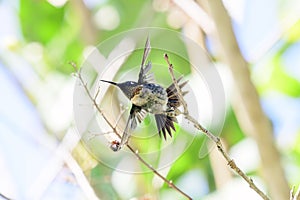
(127, 87)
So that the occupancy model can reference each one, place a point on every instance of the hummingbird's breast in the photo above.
(151, 97)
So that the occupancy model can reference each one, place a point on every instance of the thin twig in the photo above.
(97, 93)
(292, 193)
(184, 104)
(168, 182)
(93, 135)
(4, 197)
(211, 136)
(295, 196)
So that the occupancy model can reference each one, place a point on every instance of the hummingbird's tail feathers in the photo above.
(165, 124)
(173, 98)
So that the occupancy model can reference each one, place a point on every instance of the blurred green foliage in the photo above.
(40, 21)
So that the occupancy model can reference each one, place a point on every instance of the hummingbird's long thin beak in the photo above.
(113, 83)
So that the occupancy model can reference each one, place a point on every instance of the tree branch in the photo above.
(212, 137)
(135, 152)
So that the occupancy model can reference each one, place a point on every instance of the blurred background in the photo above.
(41, 156)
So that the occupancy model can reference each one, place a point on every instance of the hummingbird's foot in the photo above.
(115, 146)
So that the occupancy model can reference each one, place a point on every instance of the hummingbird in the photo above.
(147, 96)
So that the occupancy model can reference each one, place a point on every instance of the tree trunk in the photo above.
(246, 105)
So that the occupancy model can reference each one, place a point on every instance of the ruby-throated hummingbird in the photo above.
(148, 97)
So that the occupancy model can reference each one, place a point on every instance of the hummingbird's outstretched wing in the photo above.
(137, 114)
(144, 76)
